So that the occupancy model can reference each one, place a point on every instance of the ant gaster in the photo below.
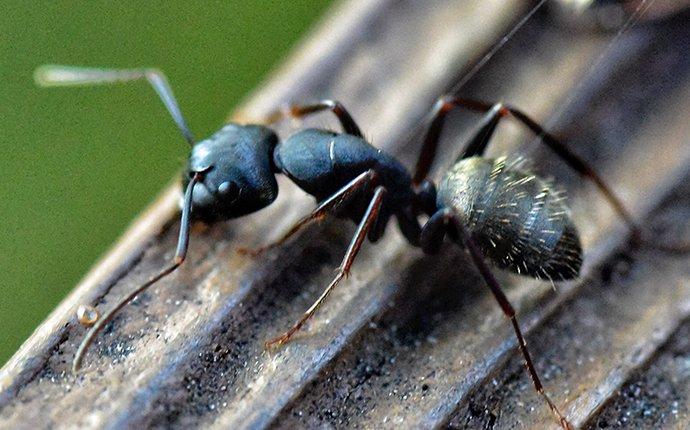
(493, 208)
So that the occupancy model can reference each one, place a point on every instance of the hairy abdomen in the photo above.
(519, 220)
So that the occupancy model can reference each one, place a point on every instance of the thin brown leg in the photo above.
(577, 164)
(344, 195)
(178, 259)
(581, 167)
(448, 103)
(365, 225)
(433, 134)
(479, 261)
(298, 111)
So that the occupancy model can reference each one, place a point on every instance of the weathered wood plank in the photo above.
(657, 396)
(407, 340)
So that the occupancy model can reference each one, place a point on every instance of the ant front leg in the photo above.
(330, 205)
(368, 221)
(299, 111)
(445, 222)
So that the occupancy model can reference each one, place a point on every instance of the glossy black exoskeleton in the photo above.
(321, 162)
(239, 177)
(495, 209)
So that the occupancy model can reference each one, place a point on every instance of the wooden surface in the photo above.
(407, 340)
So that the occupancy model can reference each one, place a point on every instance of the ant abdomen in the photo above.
(519, 220)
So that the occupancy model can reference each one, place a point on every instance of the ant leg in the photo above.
(180, 254)
(298, 111)
(368, 221)
(344, 195)
(478, 144)
(434, 231)
(409, 226)
(579, 165)
(446, 217)
(54, 76)
(435, 125)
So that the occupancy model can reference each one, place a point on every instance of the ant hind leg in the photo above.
(477, 145)
(507, 308)
(444, 222)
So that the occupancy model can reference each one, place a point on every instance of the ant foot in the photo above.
(285, 337)
(278, 341)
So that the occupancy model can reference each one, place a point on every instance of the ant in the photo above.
(495, 209)
(232, 173)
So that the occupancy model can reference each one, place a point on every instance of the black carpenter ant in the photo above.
(493, 208)
(232, 173)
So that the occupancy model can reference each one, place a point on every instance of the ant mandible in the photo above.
(495, 209)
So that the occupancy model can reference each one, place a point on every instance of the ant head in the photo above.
(239, 177)
(236, 162)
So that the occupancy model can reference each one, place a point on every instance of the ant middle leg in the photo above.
(368, 221)
(330, 205)
(299, 111)
(445, 222)
(479, 142)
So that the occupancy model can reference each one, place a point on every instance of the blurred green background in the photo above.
(78, 164)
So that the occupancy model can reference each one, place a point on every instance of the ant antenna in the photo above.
(56, 76)
(180, 254)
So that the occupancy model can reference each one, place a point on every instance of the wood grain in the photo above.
(408, 340)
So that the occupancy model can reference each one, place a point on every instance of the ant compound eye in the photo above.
(87, 315)
(229, 189)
